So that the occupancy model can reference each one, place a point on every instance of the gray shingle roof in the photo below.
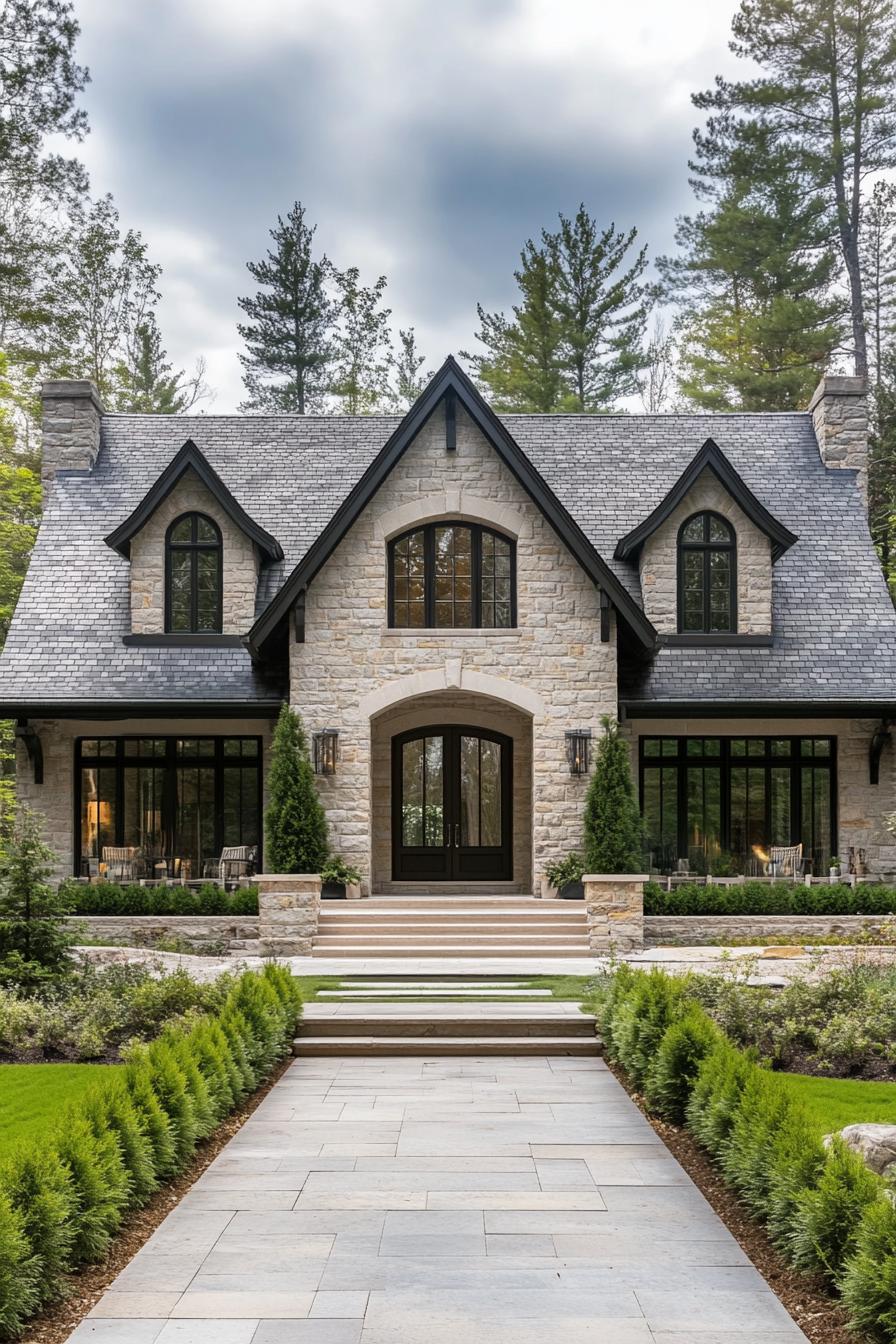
(835, 630)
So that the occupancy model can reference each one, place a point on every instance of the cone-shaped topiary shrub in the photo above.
(673, 1071)
(614, 836)
(101, 1186)
(828, 1216)
(715, 1096)
(295, 824)
(868, 1284)
(110, 1110)
(170, 1086)
(20, 1288)
(152, 1117)
(40, 1188)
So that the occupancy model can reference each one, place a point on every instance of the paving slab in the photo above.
(494, 1200)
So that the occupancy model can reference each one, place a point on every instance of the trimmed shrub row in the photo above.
(769, 898)
(109, 898)
(62, 1202)
(822, 1208)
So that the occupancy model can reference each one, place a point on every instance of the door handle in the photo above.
(447, 829)
(457, 835)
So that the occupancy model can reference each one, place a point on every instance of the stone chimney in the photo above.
(71, 414)
(839, 410)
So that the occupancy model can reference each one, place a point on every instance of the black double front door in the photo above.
(451, 805)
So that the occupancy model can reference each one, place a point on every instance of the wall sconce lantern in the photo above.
(325, 744)
(578, 742)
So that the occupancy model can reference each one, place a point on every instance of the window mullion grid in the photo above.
(429, 577)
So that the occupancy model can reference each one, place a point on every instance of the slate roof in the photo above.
(835, 630)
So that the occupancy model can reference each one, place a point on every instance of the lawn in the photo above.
(570, 987)
(33, 1095)
(835, 1102)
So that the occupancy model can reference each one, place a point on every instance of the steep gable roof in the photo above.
(709, 458)
(191, 459)
(450, 380)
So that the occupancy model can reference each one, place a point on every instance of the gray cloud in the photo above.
(427, 141)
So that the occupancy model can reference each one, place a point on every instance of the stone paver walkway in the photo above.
(442, 1201)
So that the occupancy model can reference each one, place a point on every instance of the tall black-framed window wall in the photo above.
(177, 800)
(194, 576)
(452, 575)
(711, 799)
(707, 575)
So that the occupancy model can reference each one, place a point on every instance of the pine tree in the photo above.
(289, 333)
(522, 370)
(149, 383)
(408, 381)
(362, 351)
(879, 281)
(295, 824)
(755, 278)
(601, 305)
(613, 830)
(825, 93)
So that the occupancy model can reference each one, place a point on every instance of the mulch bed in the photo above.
(821, 1317)
(54, 1325)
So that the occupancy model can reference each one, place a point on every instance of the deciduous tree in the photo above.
(362, 350)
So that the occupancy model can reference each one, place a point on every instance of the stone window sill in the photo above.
(393, 632)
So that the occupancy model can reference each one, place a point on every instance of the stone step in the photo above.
(419, 1023)
(446, 982)
(337, 947)
(471, 1046)
(416, 920)
(470, 992)
(463, 933)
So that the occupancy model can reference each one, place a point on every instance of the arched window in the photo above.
(452, 576)
(707, 555)
(193, 581)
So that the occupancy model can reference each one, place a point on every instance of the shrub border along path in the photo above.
(824, 1211)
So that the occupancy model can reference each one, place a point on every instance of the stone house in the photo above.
(453, 600)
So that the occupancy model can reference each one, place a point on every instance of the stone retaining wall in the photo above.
(137, 930)
(694, 930)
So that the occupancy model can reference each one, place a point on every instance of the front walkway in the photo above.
(434, 1200)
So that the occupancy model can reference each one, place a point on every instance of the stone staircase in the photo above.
(433, 1028)
(456, 926)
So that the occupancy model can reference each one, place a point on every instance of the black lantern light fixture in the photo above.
(578, 748)
(325, 744)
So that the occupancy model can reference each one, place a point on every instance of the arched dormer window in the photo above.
(707, 561)
(193, 576)
(452, 576)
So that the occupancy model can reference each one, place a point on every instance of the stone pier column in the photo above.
(614, 909)
(288, 912)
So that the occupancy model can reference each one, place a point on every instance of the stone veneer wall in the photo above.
(697, 930)
(861, 806)
(553, 666)
(55, 798)
(137, 930)
(240, 562)
(452, 707)
(839, 410)
(659, 562)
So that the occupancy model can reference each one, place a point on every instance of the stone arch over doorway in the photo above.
(449, 706)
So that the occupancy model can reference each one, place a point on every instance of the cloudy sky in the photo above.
(427, 141)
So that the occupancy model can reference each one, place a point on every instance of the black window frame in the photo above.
(796, 760)
(170, 761)
(194, 547)
(707, 548)
(477, 530)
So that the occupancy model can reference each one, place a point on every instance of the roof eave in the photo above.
(189, 457)
(709, 457)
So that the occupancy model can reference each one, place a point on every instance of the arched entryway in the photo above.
(452, 804)
(453, 759)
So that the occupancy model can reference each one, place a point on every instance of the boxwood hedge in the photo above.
(62, 1201)
(111, 898)
(769, 898)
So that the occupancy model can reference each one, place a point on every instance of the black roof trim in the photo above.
(709, 456)
(451, 378)
(758, 709)
(190, 457)
(146, 709)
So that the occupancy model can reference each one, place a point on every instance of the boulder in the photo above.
(875, 1145)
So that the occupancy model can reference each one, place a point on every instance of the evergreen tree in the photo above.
(408, 381)
(879, 282)
(825, 93)
(295, 824)
(289, 333)
(601, 305)
(522, 368)
(362, 351)
(878, 262)
(755, 277)
(34, 942)
(149, 383)
(613, 830)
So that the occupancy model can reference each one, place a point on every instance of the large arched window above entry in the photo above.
(452, 575)
(707, 564)
(193, 576)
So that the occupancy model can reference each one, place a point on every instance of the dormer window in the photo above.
(193, 576)
(452, 576)
(707, 556)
